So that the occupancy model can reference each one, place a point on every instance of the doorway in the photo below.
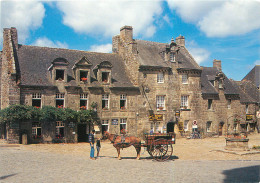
(82, 133)
(220, 128)
(170, 127)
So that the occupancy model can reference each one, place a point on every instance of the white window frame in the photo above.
(184, 101)
(84, 96)
(37, 96)
(105, 122)
(208, 127)
(60, 96)
(184, 78)
(210, 104)
(35, 126)
(229, 101)
(160, 77)
(160, 102)
(186, 125)
(59, 125)
(123, 122)
(123, 97)
(172, 57)
(105, 97)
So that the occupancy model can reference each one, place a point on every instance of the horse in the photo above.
(128, 141)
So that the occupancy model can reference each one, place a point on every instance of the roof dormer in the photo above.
(58, 69)
(81, 70)
(103, 72)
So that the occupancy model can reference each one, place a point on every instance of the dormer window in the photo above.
(172, 57)
(105, 77)
(59, 74)
(83, 76)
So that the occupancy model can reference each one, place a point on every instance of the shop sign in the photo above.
(258, 114)
(177, 113)
(194, 124)
(96, 128)
(156, 117)
(114, 122)
(249, 117)
(180, 126)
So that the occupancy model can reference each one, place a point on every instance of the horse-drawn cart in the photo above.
(159, 146)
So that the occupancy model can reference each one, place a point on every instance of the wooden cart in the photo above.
(159, 145)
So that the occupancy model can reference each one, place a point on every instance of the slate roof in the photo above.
(208, 74)
(34, 62)
(151, 54)
(248, 92)
(254, 75)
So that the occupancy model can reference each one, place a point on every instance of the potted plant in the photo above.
(84, 79)
(161, 108)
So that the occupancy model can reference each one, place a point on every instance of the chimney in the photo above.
(180, 40)
(217, 64)
(126, 33)
(14, 37)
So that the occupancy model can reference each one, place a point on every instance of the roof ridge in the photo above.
(150, 41)
(45, 47)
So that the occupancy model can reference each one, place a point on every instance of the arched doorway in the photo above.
(220, 128)
(170, 127)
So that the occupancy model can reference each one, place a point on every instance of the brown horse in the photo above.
(117, 143)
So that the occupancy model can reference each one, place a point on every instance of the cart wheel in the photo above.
(150, 150)
(161, 149)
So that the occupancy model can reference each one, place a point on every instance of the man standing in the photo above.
(91, 141)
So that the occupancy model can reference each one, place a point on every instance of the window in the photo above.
(209, 104)
(184, 101)
(155, 127)
(83, 76)
(105, 99)
(122, 102)
(186, 125)
(229, 103)
(220, 84)
(246, 109)
(122, 124)
(172, 57)
(59, 100)
(160, 102)
(36, 130)
(60, 129)
(105, 77)
(105, 126)
(83, 101)
(59, 74)
(184, 79)
(36, 100)
(160, 77)
(208, 126)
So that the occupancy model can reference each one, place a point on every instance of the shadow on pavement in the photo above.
(6, 176)
(245, 174)
(141, 158)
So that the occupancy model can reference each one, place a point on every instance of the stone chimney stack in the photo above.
(126, 34)
(180, 40)
(14, 37)
(217, 64)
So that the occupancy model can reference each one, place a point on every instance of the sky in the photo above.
(226, 30)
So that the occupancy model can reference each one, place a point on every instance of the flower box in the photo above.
(83, 108)
(84, 79)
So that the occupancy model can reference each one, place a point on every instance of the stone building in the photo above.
(141, 86)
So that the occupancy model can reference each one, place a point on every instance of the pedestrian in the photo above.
(91, 142)
(98, 146)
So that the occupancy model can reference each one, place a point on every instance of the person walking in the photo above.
(98, 146)
(91, 142)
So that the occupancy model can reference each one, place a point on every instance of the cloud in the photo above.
(220, 18)
(24, 15)
(199, 54)
(45, 42)
(107, 17)
(105, 48)
(257, 62)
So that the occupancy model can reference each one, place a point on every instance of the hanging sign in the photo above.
(180, 126)
(194, 124)
(249, 117)
(156, 117)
